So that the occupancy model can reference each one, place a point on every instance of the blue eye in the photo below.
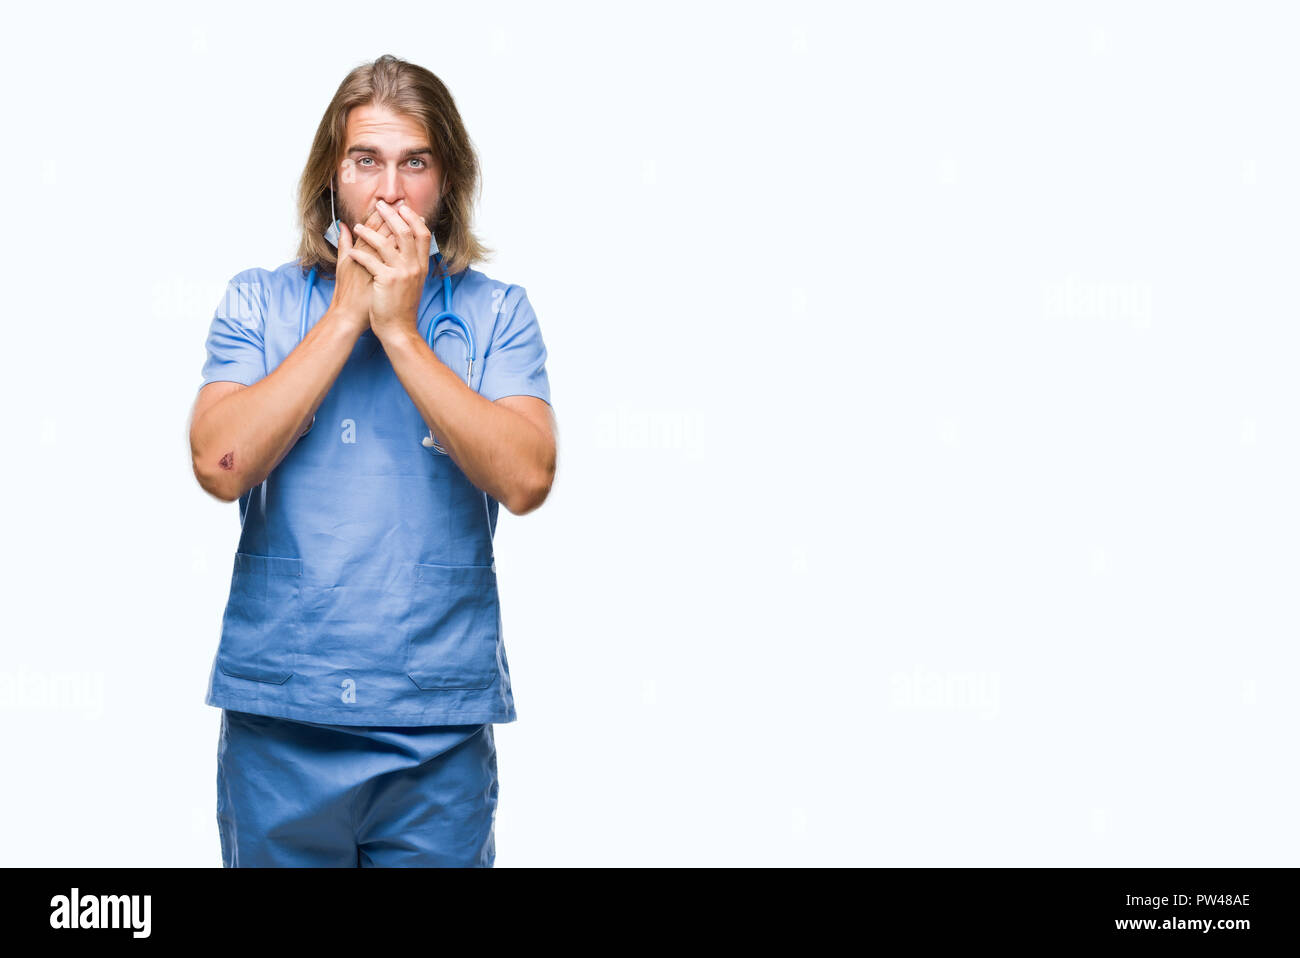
(414, 159)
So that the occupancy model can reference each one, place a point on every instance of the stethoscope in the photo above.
(429, 334)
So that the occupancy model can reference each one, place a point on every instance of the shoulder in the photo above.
(256, 283)
(271, 284)
(498, 298)
(476, 283)
(258, 274)
(286, 274)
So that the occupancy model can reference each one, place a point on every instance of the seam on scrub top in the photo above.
(444, 717)
(492, 335)
(263, 282)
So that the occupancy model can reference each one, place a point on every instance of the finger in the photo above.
(376, 222)
(349, 245)
(362, 243)
(418, 229)
(367, 259)
(408, 208)
(412, 218)
(401, 232)
(352, 242)
(383, 245)
(347, 242)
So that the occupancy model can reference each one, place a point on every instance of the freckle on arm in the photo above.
(228, 461)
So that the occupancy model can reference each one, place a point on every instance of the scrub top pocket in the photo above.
(454, 628)
(263, 618)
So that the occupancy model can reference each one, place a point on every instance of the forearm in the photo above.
(237, 442)
(499, 451)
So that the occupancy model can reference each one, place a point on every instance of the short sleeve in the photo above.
(235, 343)
(515, 361)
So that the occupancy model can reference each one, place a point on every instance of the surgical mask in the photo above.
(332, 234)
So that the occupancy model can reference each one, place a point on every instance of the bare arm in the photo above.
(239, 433)
(506, 447)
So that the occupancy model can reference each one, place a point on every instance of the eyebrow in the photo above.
(370, 149)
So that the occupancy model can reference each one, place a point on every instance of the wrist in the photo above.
(399, 337)
(339, 319)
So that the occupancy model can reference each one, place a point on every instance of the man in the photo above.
(361, 662)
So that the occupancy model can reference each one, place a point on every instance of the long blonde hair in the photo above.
(412, 91)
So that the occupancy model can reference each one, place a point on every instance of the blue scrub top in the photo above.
(364, 587)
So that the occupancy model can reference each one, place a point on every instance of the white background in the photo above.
(928, 420)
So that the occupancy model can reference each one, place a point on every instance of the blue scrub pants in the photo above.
(301, 794)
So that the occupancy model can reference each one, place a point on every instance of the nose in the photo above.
(390, 190)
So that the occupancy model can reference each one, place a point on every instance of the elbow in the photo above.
(218, 477)
(531, 495)
(215, 487)
(218, 485)
(524, 503)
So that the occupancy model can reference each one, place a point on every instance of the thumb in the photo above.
(345, 246)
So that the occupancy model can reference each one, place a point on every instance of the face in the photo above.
(386, 157)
